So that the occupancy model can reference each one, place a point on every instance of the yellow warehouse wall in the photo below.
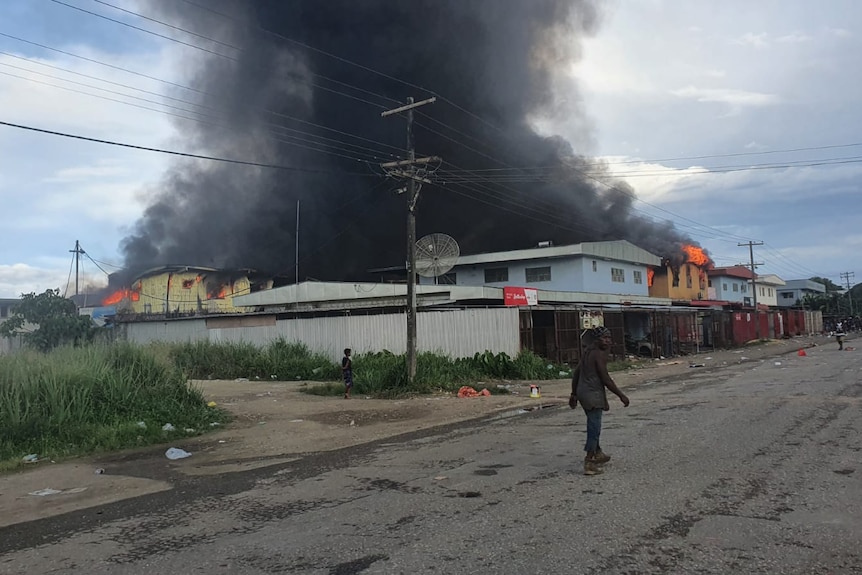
(185, 292)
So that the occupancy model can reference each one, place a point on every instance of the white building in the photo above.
(795, 291)
(613, 267)
(767, 289)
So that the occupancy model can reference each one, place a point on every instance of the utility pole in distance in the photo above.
(847, 276)
(77, 251)
(412, 198)
(754, 283)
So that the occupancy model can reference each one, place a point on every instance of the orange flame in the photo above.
(120, 295)
(116, 297)
(650, 274)
(696, 255)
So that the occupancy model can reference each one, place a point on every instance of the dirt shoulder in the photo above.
(275, 422)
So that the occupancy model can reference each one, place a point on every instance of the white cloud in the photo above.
(752, 39)
(735, 98)
(101, 169)
(839, 32)
(794, 38)
(66, 189)
(20, 278)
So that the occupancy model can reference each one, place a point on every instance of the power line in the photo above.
(120, 22)
(341, 83)
(738, 154)
(185, 154)
(91, 60)
(210, 108)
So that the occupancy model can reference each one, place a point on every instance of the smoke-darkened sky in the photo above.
(494, 64)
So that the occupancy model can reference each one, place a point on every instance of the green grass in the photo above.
(384, 374)
(280, 360)
(73, 401)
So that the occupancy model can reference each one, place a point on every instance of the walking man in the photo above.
(347, 372)
(589, 383)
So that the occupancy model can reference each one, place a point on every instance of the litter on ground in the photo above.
(175, 453)
(467, 391)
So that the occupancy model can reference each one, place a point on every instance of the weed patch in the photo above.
(80, 400)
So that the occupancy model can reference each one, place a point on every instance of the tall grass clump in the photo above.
(281, 360)
(384, 374)
(78, 400)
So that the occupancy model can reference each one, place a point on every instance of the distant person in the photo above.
(839, 335)
(589, 383)
(347, 372)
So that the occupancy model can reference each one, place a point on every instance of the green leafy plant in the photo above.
(48, 320)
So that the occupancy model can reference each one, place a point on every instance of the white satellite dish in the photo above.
(436, 254)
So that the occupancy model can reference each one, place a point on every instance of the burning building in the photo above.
(181, 290)
(682, 276)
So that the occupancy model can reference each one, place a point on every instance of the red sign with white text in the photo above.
(517, 296)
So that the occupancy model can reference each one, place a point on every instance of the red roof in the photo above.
(732, 271)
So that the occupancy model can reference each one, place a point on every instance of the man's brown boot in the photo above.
(601, 457)
(590, 465)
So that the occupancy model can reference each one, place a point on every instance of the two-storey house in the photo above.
(795, 291)
(613, 267)
(767, 286)
(731, 284)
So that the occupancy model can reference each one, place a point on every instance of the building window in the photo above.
(4, 311)
(787, 295)
(743, 288)
(638, 276)
(709, 283)
(736, 287)
(762, 291)
(688, 277)
(595, 266)
(449, 279)
(723, 287)
(770, 292)
(496, 275)
(535, 275)
(618, 275)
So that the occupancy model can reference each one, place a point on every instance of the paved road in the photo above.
(753, 468)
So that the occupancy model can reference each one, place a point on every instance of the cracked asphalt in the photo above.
(751, 468)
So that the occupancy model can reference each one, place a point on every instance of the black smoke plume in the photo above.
(496, 65)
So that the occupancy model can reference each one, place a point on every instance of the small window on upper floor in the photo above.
(595, 266)
(496, 275)
(736, 287)
(638, 276)
(4, 311)
(535, 275)
(618, 275)
(449, 279)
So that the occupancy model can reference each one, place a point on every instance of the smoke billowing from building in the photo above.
(498, 59)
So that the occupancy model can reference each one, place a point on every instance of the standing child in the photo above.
(347, 373)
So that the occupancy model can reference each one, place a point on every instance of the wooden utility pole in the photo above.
(754, 283)
(77, 251)
(412, 199)
(847, 276)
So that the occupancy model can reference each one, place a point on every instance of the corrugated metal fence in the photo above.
(456, 333)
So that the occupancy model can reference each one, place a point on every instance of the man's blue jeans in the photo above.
(594, 429)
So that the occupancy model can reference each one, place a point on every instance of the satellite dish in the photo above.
(436, 254)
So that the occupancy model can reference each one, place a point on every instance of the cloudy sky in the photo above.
(690, 101)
